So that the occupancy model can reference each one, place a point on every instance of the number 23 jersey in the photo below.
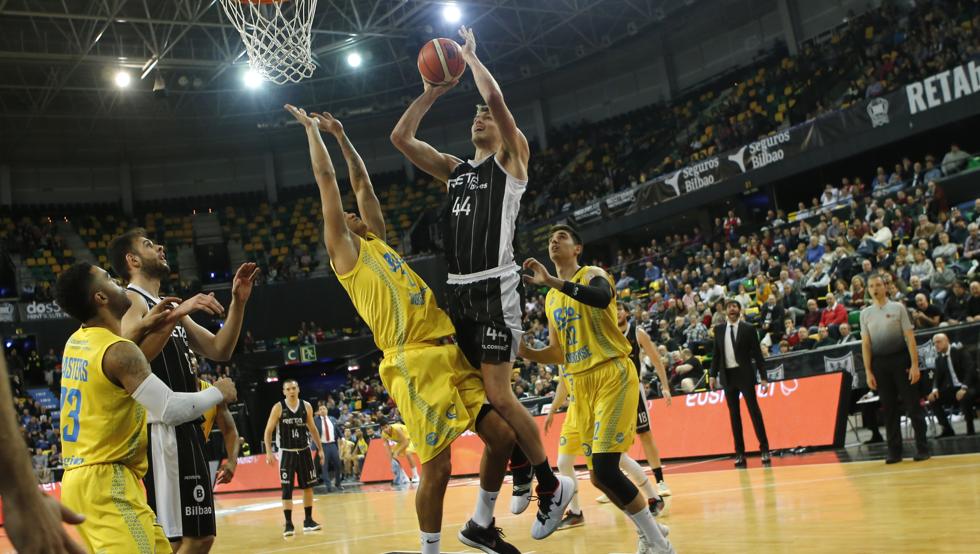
(588, 336)
(100, 422)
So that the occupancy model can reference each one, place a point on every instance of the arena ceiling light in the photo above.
(451, 13)
(122, 79)
(252, 79)
(354, 59)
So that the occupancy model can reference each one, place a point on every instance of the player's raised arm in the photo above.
(515, 143)
(420, 153)
(340, 242)
(367, 201)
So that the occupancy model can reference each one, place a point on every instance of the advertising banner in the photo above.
(38, 311)
(253, 474)
(8, 312)
(798, 412)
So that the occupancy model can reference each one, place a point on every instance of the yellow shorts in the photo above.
(570, 442)
(605, 407)
(437, 392)
(117, 517)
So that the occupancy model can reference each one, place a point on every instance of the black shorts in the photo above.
(299, 464)
(488, 317)
(178, 481)
(642, 415)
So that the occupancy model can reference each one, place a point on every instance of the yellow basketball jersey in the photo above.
(209, 415)
(588, 336)
(100, 422)
(396, 304)
(393, 436)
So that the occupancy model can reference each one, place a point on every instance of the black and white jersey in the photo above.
(173, 365)
(479, 220)
(292, 431)
(634, 344)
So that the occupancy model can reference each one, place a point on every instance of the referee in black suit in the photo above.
(737, 359)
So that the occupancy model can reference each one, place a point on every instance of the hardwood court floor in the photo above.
(860, 507)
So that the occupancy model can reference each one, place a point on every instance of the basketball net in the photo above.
(276, 34)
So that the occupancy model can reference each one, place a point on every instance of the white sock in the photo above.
(485, 502)
(636, 474)
(430, 542)
(645, 523)
(415, 473)
(566, 466)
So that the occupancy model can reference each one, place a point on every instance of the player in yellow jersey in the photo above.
(584, 335)
(219, 414)
(439, 395)
(398, 434)
(107, 390)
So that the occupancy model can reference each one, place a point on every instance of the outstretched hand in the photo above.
(539, 274)
(241, 287)
(327, 123)
(469, 44)
(300, 115)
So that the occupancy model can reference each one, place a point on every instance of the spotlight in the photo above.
(252, 79)
(354, 59)
(451, 13)
(122, 79)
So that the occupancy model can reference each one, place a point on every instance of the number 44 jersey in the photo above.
(479, 218)
(100, 422)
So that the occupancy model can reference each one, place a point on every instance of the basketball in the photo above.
(441, 61)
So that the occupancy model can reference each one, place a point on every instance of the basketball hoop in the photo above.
(276, 34)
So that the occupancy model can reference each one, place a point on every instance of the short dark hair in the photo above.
(568, 229)
(287, 381)
(119, 248)
(73, 291)
(735, 302)
(481, 108)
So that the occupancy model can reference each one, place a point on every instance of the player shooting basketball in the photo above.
(439, 395)
(484, 291)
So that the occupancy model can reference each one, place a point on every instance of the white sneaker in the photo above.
(664, 530)
(551, 508)
(520, 499)
(663, 489)
(415, 479)
(602, 499)
(644, 547)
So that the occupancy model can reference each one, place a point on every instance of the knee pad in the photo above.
(484, 410)
(606, 468)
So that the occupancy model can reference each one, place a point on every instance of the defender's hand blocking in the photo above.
(300, 115)
(539, 274)
(327, 123)
(160, 315)
(227, 388)
(469, 44)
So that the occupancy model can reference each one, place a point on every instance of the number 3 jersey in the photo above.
(100, 422)
(588, 336)
(479, 220)
(395, 303)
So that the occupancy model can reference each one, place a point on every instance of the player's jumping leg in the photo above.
(608, 478)
(429, 500)
(480, 531)
(573, 517)
(554, 492)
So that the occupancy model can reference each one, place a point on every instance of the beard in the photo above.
(120, 305)
(154, 268)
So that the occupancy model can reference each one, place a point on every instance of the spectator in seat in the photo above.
(942, 281)
(625, 281)
(823, 338)
(880, 180)
(651, 274)
(973, 304)
(815, 251)
(829, 196)
(743, 297)
(803, 340)
(955, 160)
(689, 370)
(946, 249)
(925, 229)
(834, 314)
(812, 316)
(763, 290)
(955, 383)
(771, 314)
(957, 303)
(817, 280)
(922, 267)
(971, 246)
(932, 172)
(925, 315)
(867, 270)
(857, 294)
(846, 335)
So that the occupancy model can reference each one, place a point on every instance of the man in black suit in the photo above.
(955, 383)
(737, 359)
(328, 431)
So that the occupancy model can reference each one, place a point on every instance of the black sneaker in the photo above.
(487, 539)
(288, 530)
(571, 519)
(310, 525)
